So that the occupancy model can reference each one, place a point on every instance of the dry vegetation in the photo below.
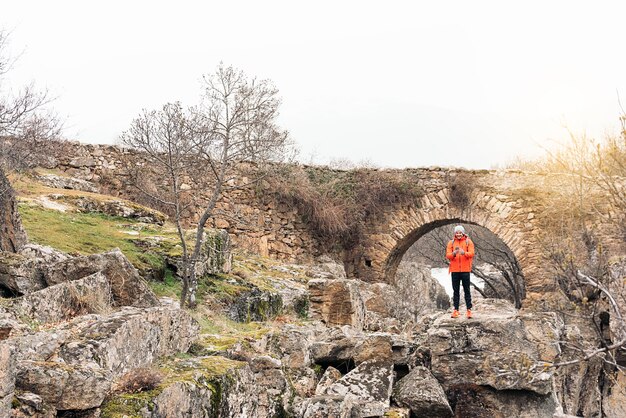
(139, 380)
(337, 204)
(591, 204)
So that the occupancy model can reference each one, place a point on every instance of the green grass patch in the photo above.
(170, 286)
(85, 234)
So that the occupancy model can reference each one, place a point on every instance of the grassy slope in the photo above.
(90, 233)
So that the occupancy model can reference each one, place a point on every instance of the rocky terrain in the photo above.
(87, 331)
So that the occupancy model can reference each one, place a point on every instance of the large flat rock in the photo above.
(493, 349)
(66, 300)
(72, 366)
(127, 287)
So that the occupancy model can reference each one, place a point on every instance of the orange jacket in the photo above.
(458, 262)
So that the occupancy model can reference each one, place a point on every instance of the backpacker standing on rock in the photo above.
(460, 252)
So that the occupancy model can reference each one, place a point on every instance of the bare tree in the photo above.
(24, 119)
(235, 125)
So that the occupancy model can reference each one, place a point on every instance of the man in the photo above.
(460, 252)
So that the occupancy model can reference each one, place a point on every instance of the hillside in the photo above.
(90, 327)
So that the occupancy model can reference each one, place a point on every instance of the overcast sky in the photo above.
(397, 84)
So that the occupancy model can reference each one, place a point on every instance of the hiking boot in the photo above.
(455, 314)
(468, 313)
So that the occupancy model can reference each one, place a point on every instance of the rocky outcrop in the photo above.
(470, 400)
(337, 302)
(496, 351)
(369, 385)
(417, 291)
(129, 338)
(127, 287)
(19, 275)
(255, 305)
(114, 207)
(421, 392)
(70, 183)
(43, 255)
(12, 235)
(7, 379)
(325, 406)
(22, 273)
(67, 300)
(200, 387)
(72, 366)
(215, 253)
(64, 386)
(374, 306)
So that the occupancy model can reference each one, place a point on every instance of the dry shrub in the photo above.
(460, 186)
(337, 204)
(139, 380)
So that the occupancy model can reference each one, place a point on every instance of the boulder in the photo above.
(40, 346)
(27, 404)
(22, 273)
(336, 302)
(290, 344)
(64, 386)
(7, 378)
(198, 387)
(368, 385)
(373, 347)
(128, 339)
(330, 376)
(72, 366)
(19, 275)
(493, 349)
(255, 305)
(66, 300)
(127, 287)
(326, 406)
(418, 292)
(337, 347)
(269, 375)
(422, 393)
(469, 400)
(43, 254)
(334, 348)
(215, 253)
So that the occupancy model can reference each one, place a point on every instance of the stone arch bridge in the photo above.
(508, 203)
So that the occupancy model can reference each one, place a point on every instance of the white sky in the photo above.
(395, 83)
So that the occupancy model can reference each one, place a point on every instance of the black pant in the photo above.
(456, 282)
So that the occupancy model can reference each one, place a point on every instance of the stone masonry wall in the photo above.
(256, 222)
(508, 203)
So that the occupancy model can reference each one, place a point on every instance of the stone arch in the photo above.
(386, 242)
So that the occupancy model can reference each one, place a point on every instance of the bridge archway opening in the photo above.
(496, 272)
